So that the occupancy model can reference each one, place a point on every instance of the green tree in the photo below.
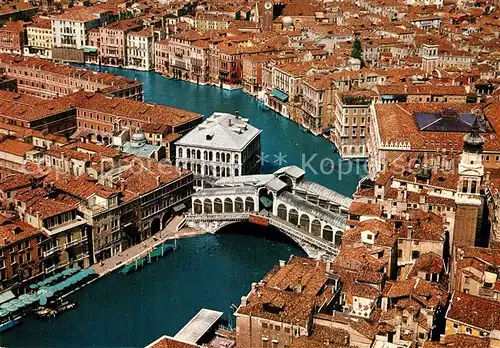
(356, 51)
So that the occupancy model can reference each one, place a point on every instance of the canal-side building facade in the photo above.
(115, 120)
(351, 121)
(49, 80)
(224, 145)
(70, 30)
(21, 254)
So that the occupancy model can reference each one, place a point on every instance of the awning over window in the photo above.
(279, 95)
(90, 50)
(179, 207)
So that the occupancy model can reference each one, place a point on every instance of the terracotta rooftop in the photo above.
(475, 311)
(133, 110)
(15, 147)
(15, 231)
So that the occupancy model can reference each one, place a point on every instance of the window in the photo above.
(468, 330)
(264, 325)
(400, 253)
(415, 254)
(421, 335)
(455, 325)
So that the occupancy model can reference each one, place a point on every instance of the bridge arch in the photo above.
(316, 228)
(304, 222)
(217, 205)
(265, 231)
(197, 206)
(249, 204)
(286, 180)
(266, 199)
(328, 233)
(282, 212)
(238, 205)
(207, 206)
(228, 205)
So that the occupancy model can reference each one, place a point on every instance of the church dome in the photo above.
(138, 139)
(287, 21)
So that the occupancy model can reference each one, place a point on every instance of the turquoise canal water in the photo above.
(281, 138)
(207, 271)
(131, 311)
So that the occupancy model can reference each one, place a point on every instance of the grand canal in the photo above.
(207, 271)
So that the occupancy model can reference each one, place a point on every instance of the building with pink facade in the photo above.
(113, 41)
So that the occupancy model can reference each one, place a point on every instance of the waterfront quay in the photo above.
(171, 233)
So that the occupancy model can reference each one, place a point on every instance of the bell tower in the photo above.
(468, 198)
(267, 16)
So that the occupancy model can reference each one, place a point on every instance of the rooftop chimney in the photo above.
(243, 301)
(282, 263)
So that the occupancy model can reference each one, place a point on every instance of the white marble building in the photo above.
(224, 145)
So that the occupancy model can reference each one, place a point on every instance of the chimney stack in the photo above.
(243, 301)
(282, 263)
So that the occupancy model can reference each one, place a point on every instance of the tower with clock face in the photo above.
(267, 16)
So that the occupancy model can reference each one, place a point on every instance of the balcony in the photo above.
(50, 269)
(75, 242)
(52, 251)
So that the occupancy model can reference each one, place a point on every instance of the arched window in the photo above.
(210, 156)
(328, 233)
(228, 158)
(217, 171)
(180, 151)
(188, 166)
(236, 172)
(197, 206)
(205, 170)
(207, 206)
(228, 172)
(198, 168)
(222, 157)
(238, 205)
(338, 238)
(193, 153)
(282, 214)
(205, 155)
(236, 158)
(228, 205)
(217, 157)
(473, 186)
(223, 172)
(293, 217)
(249, 204)
(188, 153)
(304, 222)
(316, 228)
(217, 205)
(198, 154)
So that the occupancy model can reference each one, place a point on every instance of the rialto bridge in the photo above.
(312, 215)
